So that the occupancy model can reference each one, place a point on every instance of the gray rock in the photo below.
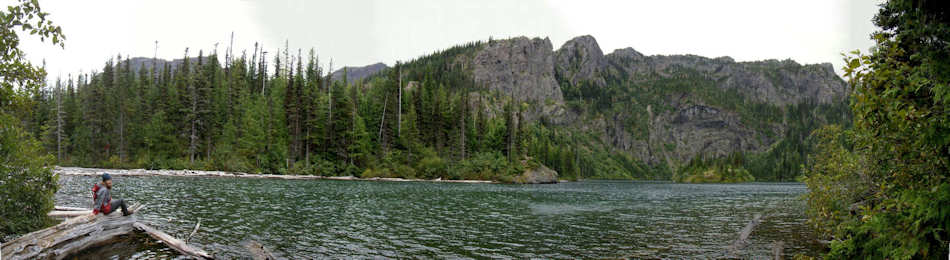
(520, 67)
(581, 60)
(771, 81)
(539, 175)
(696, 129)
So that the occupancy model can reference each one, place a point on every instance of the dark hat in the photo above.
(106, 177)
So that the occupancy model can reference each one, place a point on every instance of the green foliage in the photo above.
(485, 166)
(785, 159)
(894, 165)
(26, 16)
(27, 184)
(910, 225)
(722, 170)
(834, 178)
(431, 167)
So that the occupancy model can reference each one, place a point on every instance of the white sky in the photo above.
(361, 32)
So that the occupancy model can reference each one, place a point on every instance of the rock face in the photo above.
(687, 126)
(580, 60)
(692, 129)
(538, 175)
(520, 67)
(770, 81)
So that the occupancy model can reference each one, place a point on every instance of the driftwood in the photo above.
(63, 212)
(86, 231)
(70, 237)
(64, 208)
(743, 239)
(258, 251)
(68, 213)
(197, 225)
(197, 173)
(173, 242)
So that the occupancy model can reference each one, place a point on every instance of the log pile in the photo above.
(85, 231)
(196, 173)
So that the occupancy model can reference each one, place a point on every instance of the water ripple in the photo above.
(334, 219)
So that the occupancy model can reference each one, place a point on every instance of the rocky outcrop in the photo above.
(537, 175)
(770, 81)
(522, 69)
(519, 67)
(688, 127)
(695, 129)
(580, 61)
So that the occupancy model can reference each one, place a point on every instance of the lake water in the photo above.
(366, 219)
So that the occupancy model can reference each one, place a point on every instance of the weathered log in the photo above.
(197, 225)
(258, 251)
(173, 242)
(64, 208)
(743, 239)
(68, 213)
(69, 237)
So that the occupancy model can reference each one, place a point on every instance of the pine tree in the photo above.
(290, 112)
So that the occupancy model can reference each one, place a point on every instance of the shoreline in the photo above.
(60, 170)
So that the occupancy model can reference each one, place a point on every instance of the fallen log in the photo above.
(743, 239)
(70, 237)
(173, 242)
(68, 213)
(64, 208)
(197, 225)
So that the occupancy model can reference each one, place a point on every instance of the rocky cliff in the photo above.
(686, 115)
(659, 110)
(580, 60)
(522, 69)
(772, 81)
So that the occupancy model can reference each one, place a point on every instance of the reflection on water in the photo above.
(591, 219)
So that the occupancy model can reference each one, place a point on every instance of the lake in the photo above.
(370, 219)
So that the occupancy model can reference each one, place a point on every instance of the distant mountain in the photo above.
(356, 73)
(138, 63)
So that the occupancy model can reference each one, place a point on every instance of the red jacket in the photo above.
(106, 206)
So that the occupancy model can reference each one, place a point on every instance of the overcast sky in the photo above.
(361, 32)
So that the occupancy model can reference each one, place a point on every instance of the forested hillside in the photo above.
(482, 110)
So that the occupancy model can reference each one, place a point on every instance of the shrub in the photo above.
(27, 184)
(432, 167)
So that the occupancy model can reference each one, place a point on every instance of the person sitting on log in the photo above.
(102, 197)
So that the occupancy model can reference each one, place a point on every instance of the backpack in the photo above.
(106, 205)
